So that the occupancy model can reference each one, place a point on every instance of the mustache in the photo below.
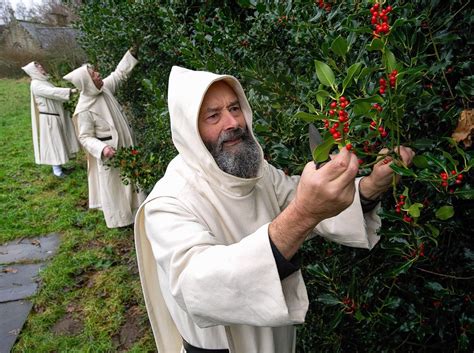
(231, 135)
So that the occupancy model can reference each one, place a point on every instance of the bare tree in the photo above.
(6, 12)
(55, 12)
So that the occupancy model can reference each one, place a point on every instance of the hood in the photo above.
(34, 73)
(186, 92)
(82, 80)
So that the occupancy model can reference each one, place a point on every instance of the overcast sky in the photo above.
(27, 3)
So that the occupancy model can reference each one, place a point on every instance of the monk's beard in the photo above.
(242, 160)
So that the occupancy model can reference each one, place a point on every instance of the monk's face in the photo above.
(95, 76)
(224, 131)
(40, 68)
(220, 113)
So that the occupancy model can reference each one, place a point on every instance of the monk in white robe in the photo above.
(102, 128)
(54, 140)
(216, 239)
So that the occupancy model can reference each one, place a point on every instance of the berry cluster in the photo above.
(349, 305)
(399, 209)
(393, 78)
(373, 123)
(445, 178)
(419, 251)
(323, 5)
(343, 118)
(383, 85)
(380, 19)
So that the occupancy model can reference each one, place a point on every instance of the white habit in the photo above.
(100, 121)
(207, 269)
(54, 141)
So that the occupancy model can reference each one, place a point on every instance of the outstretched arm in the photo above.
(121, 73)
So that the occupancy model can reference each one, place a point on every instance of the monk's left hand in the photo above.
(380, 180)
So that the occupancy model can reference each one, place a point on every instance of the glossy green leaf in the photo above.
(324, 73)
(424, 143)
(311, 108)
(376, 44)
(400, 269)
(321, 97)
(389, 60)
(450, 158)
(309, 118)
(340, 46)
(433, 229)
(328, 299)
(466, 193)
(402, 170)
(420, 162)
(445, 212)
(352, 71)
(321, 153)
(414, 209)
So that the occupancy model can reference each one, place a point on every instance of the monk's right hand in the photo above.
(325, 192)
(108, 152)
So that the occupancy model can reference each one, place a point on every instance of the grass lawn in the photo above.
(90, 298)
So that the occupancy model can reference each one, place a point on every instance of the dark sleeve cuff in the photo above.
(367, 204)
(285, 267)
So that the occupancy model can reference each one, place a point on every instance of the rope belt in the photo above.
(104, 138)
(192, 349)
(56, 114)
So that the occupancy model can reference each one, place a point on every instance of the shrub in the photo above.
(413, 292)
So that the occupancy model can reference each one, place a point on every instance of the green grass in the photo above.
(92, 282)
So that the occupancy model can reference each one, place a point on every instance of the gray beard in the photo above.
(244, 159)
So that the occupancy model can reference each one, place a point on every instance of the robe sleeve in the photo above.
(121, 73)
(51, 92)
(352, 227)
(219, 284)
(86, 135)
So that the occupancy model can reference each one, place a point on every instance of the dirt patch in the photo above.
(131, 331)
(82, 204)
(68, 325)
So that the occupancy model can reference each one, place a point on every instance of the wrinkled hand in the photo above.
(381, 177)
(108, 152)
(325, 192)
(134, 50)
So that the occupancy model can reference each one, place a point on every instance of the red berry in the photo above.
(348, 146)
(460, 177)
(453, 172)
(333, 105)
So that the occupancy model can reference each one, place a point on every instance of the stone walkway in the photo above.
(20, 262)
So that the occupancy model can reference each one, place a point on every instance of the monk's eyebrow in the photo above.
(236, 102)
(212, 110)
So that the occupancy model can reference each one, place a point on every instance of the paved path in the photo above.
(20, 262)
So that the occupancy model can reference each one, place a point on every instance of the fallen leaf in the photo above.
(465, 128)
(9, 270)
(36, 242)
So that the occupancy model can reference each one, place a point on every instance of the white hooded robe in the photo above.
(207, 269)
(100, 121)
(54, 140)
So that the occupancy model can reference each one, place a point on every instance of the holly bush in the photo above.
(370, 75)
